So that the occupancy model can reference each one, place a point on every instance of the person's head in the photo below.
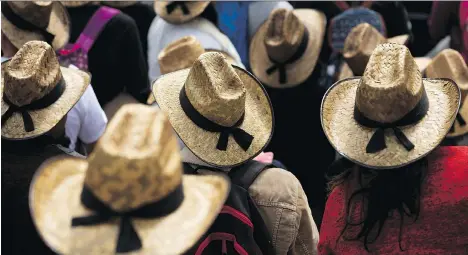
(25, 21)
(38, 93)
(379, 192)
(220, 111)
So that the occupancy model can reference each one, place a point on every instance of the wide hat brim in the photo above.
(177, 16)
(55, 199)
(422, 62)
(258, 120)
(119, 4)
(300, 70)
(459, 130)
(45, 119)
(59, 26)
(350, 138)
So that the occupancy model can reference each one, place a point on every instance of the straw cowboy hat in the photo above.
(450, 64)
(130, 195)
(38, 93)
(35, 20)
(360, 43)
(285, 49)
(220, 111)
(181, 54)
(178, 12)
(391, 116)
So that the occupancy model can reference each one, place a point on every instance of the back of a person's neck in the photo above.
(189, 157)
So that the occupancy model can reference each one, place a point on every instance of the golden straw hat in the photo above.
(119, 4)
(178, 12)
(74, 3)
(37, 92)
(391, 116)
(36, 20)
(360, 43)
(285, 49)
(130, 195)
(220, 111)
(450, 64)
(181, 54)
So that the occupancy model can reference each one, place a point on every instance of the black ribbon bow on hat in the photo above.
(41, 103)
(23, 24)
(172, 6)
(460, 120)
(281, 67)
(128, 239)
(242, 138)
(377, 141)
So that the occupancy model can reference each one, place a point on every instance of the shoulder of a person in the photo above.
(276, 187)
(120, 23)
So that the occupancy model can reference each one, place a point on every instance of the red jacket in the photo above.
(442, 226)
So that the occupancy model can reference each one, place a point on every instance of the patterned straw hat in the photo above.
(391, 116)
(181, 54)
(35, 20)
(450, 64)
(178, 12)
(360, 43)
(220, 111)
(37, 92)
(285, 49)
(130, 195)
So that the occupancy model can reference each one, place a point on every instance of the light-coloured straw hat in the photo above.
(450, 64)
(220, 111)
(391, 116)
(285, 49)
(130, 195)
(72, 4)
(35, 20)
(361, 42)
(181, 54)
(38, 93)
(178, 12)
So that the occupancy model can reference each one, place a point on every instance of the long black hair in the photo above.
(382, 192)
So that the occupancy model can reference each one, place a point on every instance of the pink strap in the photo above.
(94, 27)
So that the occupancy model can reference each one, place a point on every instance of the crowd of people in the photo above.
(233, 127)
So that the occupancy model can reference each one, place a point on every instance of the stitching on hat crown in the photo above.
(284, 34)
(391, 85)
(215, 90)
(32, 73)
(37, 12)
(137, 161)
(180, 54)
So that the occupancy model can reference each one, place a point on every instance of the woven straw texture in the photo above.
(388, 90)
(300, 70)
(450, 64)
(32, 72)
(221, 93)
(177, 16)
(360, 43)
(136, 162)
(55, 15)
(180, 54)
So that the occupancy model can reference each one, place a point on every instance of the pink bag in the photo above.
(77, 53)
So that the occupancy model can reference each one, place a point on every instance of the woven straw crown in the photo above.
(177, 15)
(215, 90)
(359, 45)
(284, 34)
(31, 74)
(180, 54)
(136, 161)
(391, 85)
(36, 12)
(450, 63)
